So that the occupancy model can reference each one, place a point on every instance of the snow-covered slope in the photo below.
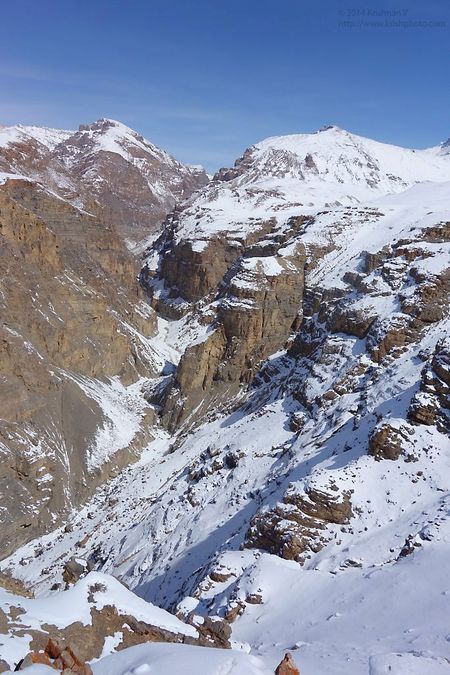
(338, 156)
(297, 483)
(157, 658)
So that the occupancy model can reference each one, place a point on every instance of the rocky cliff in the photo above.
(74, 331)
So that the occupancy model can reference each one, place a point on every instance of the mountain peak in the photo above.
(329, 127)
(103, 167)
(103, 124)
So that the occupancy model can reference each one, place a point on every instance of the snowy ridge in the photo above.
(45, 136)
(111, 136)
(159, 658)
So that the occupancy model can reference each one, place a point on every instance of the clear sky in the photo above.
(207, 78)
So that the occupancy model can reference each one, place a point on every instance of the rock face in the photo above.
(70, 315)
(250, 295)
(105, 168)
(431, 405)
(255, 316)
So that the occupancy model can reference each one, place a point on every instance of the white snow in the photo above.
(4, 176)
(122, 408)
(269, 266)
(160, 659)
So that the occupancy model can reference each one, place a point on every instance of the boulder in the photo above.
(287, 666)
(352, 321)
(33, 658)
(385, 443)
(73, 570)
(215, 632)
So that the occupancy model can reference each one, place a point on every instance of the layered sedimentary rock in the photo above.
(248, 294)
(71, 312)
(297, 525)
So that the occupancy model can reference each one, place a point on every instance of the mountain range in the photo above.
(233, 396)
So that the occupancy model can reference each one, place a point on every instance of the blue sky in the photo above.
(205, 78)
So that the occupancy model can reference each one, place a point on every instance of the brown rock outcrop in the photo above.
(390, 335)
(352, 321)
(215, 632)
(431, 404)
(193, 273)
(385, 442)
(71, 647)
(287, 666)
(261, 307)
(297, 525)
(14, 585)
(438, 233)
(431, 298)
(60, 656)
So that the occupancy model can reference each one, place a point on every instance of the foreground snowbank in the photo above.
(49, 615)
(164, 659)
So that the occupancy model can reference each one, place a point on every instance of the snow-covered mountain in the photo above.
(296, 484)
(286, 174)
(104, 168)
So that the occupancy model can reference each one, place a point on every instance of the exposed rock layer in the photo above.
(70, 311)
